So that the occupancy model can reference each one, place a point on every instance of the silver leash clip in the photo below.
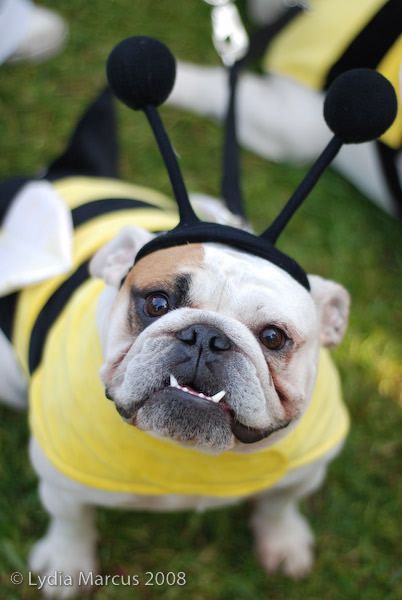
(228, 33)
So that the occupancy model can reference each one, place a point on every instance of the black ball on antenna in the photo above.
(360, 106)
(141, 71)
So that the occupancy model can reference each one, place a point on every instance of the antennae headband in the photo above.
(360, 106)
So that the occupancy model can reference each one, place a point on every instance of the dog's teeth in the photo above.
(173, 381)
(217, 397)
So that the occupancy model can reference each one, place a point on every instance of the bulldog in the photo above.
(193, 376)
(209, 348)
(279, 110)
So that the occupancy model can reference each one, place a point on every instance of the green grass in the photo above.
(338, 234)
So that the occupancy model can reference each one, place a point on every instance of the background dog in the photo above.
(280, 112)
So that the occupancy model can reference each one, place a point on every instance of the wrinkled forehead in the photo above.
(163, 267)
(251, 286)
(226, 280)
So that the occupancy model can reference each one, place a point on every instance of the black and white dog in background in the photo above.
(279, 113)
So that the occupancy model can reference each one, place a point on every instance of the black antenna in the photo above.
(303, 190)
(141, 73)
(360, 106)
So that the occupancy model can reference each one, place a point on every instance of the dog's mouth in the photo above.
(216, 398)
(214, 407)
(243, 433)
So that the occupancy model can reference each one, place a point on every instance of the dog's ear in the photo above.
(332, 301)
(113, 261)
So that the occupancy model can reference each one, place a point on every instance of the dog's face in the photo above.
(209, 346)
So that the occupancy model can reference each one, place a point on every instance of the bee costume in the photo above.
(54, 325)
(330, 37)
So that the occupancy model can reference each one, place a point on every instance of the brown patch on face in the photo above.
(163, 265)
(163, 269)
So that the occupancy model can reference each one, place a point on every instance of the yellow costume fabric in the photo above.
(316, 39)
(80, 431)
(85, 438)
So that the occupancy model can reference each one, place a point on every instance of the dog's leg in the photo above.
(278, 118)
(203, 90)
(284, 540)
(69, 544)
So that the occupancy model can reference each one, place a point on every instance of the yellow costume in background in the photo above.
(316, 39)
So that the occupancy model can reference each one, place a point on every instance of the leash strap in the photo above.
(260, 40)
(231, 188)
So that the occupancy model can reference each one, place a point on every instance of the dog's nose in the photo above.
(204, 337)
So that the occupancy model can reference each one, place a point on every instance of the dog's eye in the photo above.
(156, 305)
(273, 338)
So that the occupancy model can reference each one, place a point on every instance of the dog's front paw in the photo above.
(63, 567)
(285, 544)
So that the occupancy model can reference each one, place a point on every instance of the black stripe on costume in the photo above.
(260, 40)
(387, 157)
(90, 210)
(50, 313)
(372, 43)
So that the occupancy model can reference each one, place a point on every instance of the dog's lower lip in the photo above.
(246, 435)
(129, 415)
(243, 433)
(126, 414)
(250, 435)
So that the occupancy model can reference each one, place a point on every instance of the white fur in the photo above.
(239, 294)
(283, 538)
